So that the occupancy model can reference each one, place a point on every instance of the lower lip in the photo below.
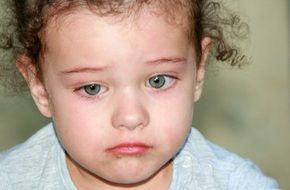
(129, 149)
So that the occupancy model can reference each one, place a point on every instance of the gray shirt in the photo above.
(39, 163)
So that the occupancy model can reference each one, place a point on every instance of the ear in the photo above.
(36, 86)
(200, 69)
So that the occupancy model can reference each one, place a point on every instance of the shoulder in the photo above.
(23, 163)
(227, 170)
(242, 173)
(28, 150)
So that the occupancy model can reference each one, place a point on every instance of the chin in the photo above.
(131, 180)
(132, 177)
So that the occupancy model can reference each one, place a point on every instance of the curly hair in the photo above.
(20, 34)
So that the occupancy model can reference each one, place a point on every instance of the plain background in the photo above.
(244, 110)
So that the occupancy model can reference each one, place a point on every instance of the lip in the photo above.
(129, 149)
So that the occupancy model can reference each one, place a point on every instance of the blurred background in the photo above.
(245, 110)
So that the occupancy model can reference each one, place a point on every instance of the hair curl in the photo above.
(19, 32)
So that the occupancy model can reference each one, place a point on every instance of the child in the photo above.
(119, 80)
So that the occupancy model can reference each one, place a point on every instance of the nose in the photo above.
(129, 113)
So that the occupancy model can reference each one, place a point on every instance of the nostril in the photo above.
(130, 122)
(130, 118)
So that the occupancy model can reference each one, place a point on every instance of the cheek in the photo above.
(177, 123)
(172, 120)
(78, 127)
(69, 110)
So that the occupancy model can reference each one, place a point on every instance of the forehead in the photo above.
(85, 27)
(177, 15)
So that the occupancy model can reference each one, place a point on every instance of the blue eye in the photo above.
(160, 81)
(92, 89)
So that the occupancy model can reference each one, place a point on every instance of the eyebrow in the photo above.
(98, 69)
(168, 60)
(83, 70)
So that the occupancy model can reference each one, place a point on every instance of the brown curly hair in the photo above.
(20, 33)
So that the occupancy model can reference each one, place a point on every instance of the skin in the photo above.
(121, 56)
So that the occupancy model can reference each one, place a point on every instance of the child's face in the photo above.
(120, 93)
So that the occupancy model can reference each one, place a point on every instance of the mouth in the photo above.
(129, 149)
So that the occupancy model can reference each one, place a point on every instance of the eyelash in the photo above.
(83, 94)
(81, 90)
(166, 85)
